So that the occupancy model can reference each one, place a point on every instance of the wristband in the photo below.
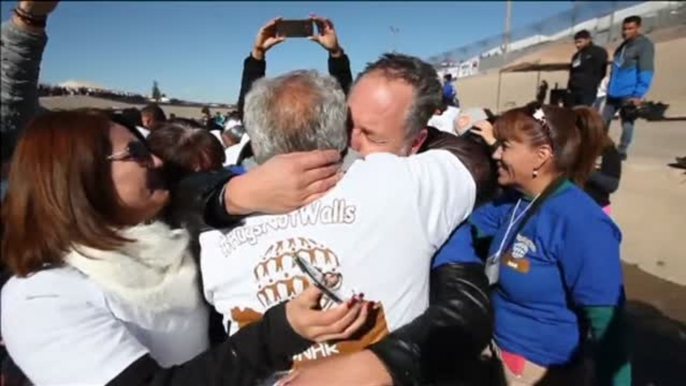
(29, 19)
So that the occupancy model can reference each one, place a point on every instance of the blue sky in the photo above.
(195, 50)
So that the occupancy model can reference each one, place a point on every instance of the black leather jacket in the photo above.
(443, 345)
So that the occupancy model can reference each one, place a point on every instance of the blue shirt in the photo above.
(566, 257)
(449, 91)
(458, 249)
(236, 169)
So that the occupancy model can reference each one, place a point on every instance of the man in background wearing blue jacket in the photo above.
(449, 93)
(632, 72)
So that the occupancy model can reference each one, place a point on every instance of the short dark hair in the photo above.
(583, 34)
(421, 76)
(632, 19)
(156, 112)
(185, 149)
(132, 116)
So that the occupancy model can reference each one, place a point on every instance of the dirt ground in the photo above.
(657, 313)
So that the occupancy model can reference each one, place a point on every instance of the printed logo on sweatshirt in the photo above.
(338, 212)
(278, 278)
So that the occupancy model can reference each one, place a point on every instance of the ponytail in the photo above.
(576, 136)
(592, 138)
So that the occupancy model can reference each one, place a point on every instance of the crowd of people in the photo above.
(45, 90)
(324, 234)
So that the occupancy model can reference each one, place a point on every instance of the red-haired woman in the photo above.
(105, 293)
(554, 256)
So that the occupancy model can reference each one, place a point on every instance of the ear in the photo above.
(543, 154)
(418, 141)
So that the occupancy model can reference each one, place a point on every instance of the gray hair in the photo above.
(428, 95)
(297, 111)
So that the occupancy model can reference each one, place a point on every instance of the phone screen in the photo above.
(294, 28)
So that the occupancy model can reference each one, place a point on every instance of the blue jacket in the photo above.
(449, 91)
(633, 67)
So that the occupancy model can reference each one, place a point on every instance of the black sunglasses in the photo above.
(135, 150)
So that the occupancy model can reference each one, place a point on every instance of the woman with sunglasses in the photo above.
(554, 258)
(105, 293)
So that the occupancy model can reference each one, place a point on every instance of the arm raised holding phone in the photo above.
(269, 35)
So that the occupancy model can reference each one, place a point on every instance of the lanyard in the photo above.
(492, 268)
(513, 220)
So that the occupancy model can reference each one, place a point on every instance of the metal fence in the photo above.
(602, 18)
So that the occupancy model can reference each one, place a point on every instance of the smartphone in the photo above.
(318, 279)
(295, 28)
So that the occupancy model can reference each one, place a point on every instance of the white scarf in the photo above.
(156, 270)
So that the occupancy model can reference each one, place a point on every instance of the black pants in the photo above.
(581, 98)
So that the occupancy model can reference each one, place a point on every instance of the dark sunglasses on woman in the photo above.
(135, 151)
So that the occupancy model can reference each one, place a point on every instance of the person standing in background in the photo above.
(219, 118)
(586, 71)
(605, 179)
(449, 93)
(542, 92)
(152, 115)
(633, 68)
(208, 121)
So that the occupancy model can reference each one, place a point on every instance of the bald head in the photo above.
(298, 111)
(295, 97)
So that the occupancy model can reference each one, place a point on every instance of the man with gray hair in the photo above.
(299, 111)
(375, 232)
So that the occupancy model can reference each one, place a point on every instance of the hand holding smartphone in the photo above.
(295, 28)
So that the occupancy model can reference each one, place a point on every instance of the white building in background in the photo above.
(645, 9)
(462, 69)
(518, 45)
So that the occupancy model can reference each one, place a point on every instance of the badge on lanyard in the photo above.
(493, 262)
(521, 265)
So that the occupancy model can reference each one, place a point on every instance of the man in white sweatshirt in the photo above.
(377, 230)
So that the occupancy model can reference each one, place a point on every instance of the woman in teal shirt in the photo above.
(554, 256)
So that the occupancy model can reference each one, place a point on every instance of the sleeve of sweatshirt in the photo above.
(645, 70)
(339, 68)
(253, 69)
(22, 53)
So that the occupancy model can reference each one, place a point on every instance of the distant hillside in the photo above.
(81, 101)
